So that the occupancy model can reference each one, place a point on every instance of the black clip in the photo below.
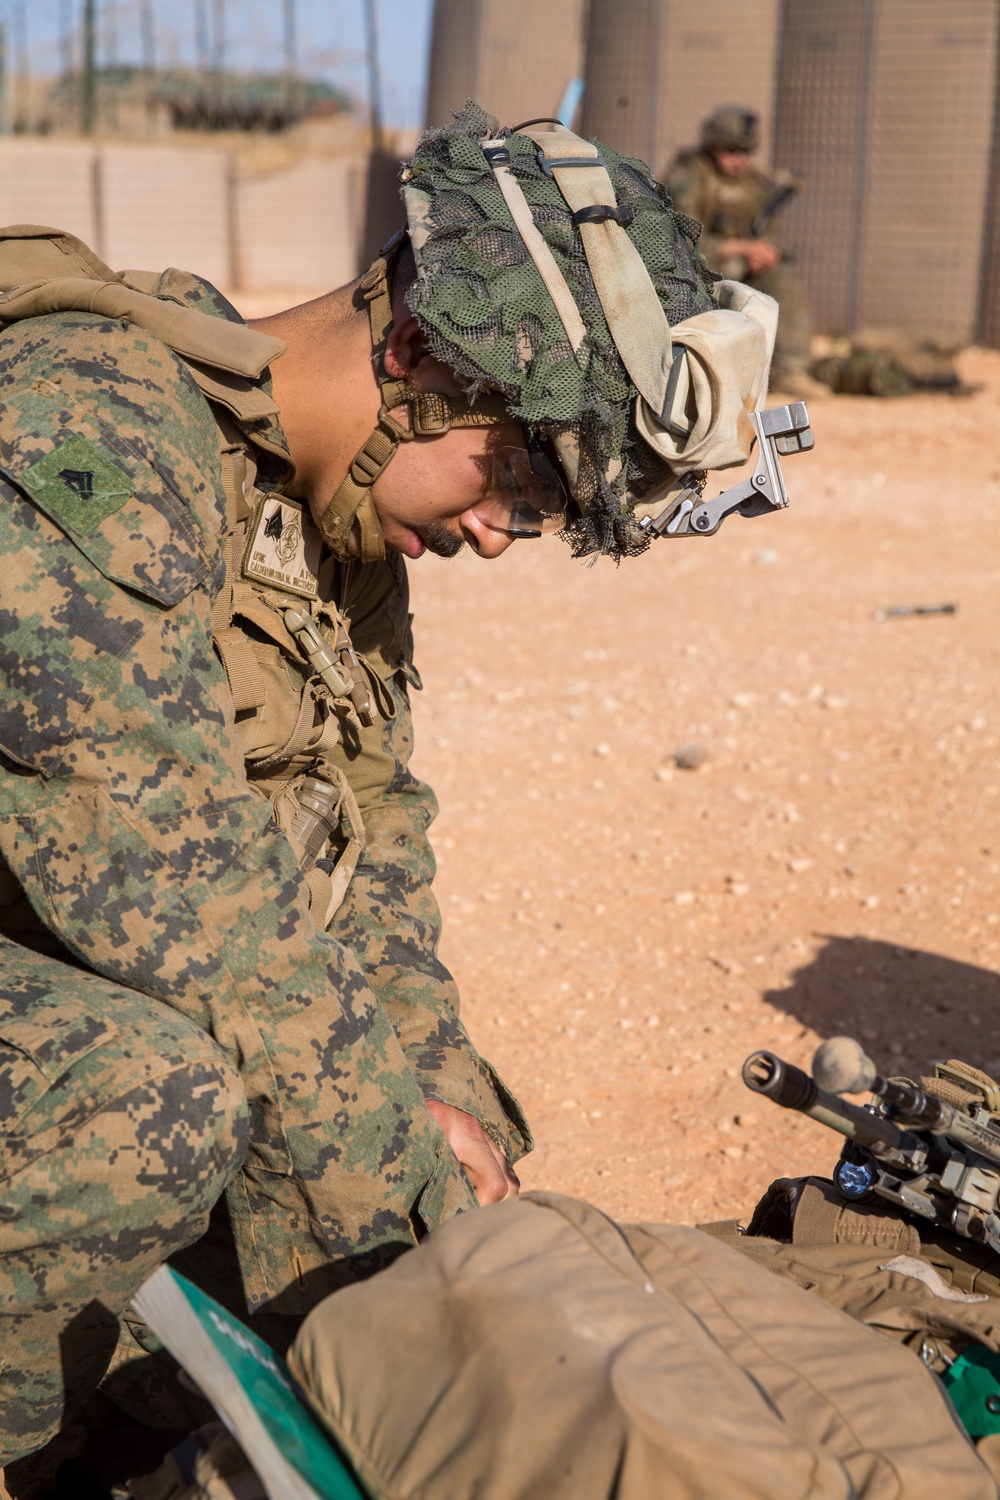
(596, 213)
(497, 156)
(548, 162)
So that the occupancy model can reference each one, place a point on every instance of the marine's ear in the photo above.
(405, 347)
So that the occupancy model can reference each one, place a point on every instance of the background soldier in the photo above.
(218, 938)
(735, 201)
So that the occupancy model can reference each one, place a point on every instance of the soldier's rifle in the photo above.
(932, 1159)
(775, 203)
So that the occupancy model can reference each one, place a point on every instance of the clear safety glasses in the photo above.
(528, 488)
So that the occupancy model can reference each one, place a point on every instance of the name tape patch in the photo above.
(283, 547)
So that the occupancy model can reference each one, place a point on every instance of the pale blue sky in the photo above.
(330, 33)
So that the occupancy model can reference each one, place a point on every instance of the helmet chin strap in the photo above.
(432, 413)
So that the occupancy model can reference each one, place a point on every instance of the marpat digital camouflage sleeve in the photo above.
(390, 917)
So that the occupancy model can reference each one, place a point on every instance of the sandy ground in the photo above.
(624, 932)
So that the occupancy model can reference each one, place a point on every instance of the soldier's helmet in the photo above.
(731, 128)
(554, 277)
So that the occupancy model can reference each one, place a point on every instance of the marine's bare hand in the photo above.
(489, 1171)
(760, 255)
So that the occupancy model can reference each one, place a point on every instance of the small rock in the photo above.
(665, 773)
(727, 965)
(603, 750)
(684, 898)
(691, 755)
(799, 866)
(765, 557)
(742, 700)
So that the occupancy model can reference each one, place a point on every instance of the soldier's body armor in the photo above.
(289, 717)
(727, 205)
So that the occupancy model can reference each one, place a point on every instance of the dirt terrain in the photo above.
(624, 932)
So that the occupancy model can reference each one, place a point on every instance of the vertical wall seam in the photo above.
(989, 248)
(860, 206)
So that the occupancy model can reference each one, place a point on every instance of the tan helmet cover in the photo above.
(728, 353)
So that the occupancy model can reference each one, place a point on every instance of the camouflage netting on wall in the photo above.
(487, 314)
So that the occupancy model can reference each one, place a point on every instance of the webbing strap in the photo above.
(545, 261)
(354, 497)
(192, 334)
(433, 413)
(634, 312)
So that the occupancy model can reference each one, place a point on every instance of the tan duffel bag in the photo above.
(534, 1350)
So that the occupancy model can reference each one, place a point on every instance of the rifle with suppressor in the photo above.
(933, 1159)
(782, 194)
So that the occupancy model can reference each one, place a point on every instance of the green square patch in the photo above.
(78, 484)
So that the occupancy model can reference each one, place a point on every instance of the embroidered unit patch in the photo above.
(283, 547)
(78, 484)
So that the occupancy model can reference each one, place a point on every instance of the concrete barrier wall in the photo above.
(163, 207)
(656, 68)
(148, 207)
(41, 183)
(514, 57)
(886, 111)
(932, 82)
(300, 228)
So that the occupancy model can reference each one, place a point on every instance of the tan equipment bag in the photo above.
(535, 1351)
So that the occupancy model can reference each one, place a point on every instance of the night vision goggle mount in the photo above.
(781, 431)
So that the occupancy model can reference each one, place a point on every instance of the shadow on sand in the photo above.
(908, 1007)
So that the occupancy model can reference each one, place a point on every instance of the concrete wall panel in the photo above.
(163, 207)
(47, 182)
(514, 57)
(656, 68)
(885, 110)
(929, 136)
(821, 137)
(300, 227)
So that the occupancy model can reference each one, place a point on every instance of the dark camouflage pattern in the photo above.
(120, 1125)
(137, 848)
(390, 917)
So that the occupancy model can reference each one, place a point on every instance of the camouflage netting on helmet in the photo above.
(487, 314)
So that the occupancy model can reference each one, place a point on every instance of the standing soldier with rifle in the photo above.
(736, 203)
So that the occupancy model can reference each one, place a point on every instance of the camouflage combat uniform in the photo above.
(183, 1004)
(727, 207)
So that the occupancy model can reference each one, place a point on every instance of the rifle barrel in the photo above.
(766, 1073)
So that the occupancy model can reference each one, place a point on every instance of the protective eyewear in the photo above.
(529, 486)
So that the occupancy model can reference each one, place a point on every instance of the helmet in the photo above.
(731, 128)
(550, 271)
